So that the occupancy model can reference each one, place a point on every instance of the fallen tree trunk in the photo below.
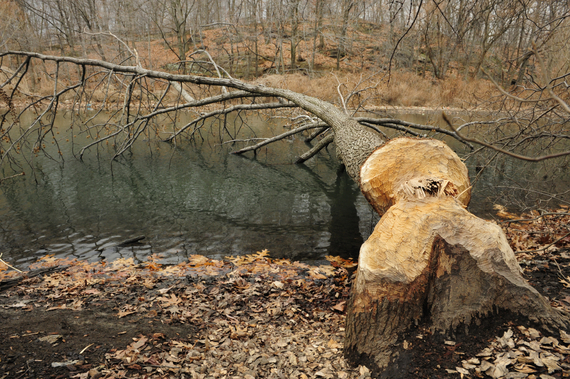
(429, 261)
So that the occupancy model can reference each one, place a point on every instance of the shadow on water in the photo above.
(197, 198)
(193, 199)
(345, 236)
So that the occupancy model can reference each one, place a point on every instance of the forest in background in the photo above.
(361, 51)
(413, 52)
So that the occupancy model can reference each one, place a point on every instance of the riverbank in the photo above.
(253, 317)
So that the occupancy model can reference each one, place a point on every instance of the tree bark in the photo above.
(429, 261)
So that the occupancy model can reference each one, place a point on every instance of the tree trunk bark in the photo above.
(429, 262)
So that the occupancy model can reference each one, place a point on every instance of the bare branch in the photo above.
(321, 129)
(548, 82)
(274, 139)
(545, 247)
(315, 149)
(134, 53)
(342, 102)
(519, 99)
(216, 67)
(177, 86)
(378, 130)
(7, 264)
(240, 107)
(503, 151)
(12, 176)
(404, 125)
(557, 214)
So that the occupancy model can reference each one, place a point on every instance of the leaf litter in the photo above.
(256, 317)
(251, 316)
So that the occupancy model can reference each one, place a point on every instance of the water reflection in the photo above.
(193, 199)
(196, 198)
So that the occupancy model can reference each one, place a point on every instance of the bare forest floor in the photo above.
(253, 317)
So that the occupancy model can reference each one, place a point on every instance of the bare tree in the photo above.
(429, 262)
(347, 7)
(173, 16)
(421, 186)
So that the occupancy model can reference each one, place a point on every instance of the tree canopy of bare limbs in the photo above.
(428, 261)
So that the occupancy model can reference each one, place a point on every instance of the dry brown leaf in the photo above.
(332, 344)
(124, 313)
(340, 306)
(337, 261)
(139, 343)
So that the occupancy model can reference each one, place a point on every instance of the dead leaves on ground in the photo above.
(520, 353)
(541, 242)
(234, 350)
(537, 233)
(248, 317)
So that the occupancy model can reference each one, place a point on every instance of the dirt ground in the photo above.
(251, 317)
(25, 356)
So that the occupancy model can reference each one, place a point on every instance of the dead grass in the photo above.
(405, 89)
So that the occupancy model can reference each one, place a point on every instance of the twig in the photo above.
(224, 89)
(462, 192)
(342, 102)
(404, 126)
(276, 138)
(12, 267)
(490, 146)
(134, 52)
(548, 82)
(546, 247)
(239, 107)
(243, 140)
(12, 177)
(560, 273)
(86, 347)
(551, 196)
(519, 99)
(536, 218)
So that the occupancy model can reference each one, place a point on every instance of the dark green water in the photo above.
(197, 198)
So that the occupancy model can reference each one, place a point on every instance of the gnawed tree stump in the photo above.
(429, 260)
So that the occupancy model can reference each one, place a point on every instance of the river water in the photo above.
(197, 198)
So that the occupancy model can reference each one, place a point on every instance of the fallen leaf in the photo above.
(124, 313)
(341, 262)
(340, 306)
(139, 343)
(332, 344)
(52, 338)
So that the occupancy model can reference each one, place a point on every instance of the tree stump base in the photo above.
(430, 263)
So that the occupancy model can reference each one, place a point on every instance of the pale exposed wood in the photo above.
(429, 261)
(413, 168)
(399, 248)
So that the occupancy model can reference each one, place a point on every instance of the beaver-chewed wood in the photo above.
(429, 261)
